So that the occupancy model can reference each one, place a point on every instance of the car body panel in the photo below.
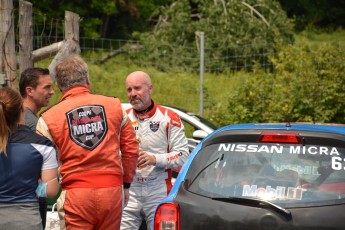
(205, 214)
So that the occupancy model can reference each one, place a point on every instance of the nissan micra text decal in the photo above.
(311, 150)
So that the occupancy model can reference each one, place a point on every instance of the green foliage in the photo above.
(107, 18)
(226, 25)
(106, 7)
(305, 84)
(120, 18)
(316, 81)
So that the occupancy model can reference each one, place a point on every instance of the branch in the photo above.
(224, 6)
(257, 13)
(116, 52)
(108, 56)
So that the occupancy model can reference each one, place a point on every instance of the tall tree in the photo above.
(227, 24)
(106, 18)
(319, 13)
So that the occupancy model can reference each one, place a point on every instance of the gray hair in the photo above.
(70, 72)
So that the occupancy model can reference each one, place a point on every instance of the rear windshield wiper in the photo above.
(256, 203)
(204, 168)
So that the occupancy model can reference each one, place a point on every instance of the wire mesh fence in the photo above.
(293, 80)
(237, 80)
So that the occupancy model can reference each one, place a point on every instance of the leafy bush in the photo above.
(306, 85)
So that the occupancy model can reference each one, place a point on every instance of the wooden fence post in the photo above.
(71, 44)
(27, 57)
(8, 62)
(25, 36)
(72, 26)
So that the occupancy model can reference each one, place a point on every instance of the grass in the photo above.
(312, 36)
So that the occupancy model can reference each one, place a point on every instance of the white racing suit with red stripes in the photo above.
(159, 132)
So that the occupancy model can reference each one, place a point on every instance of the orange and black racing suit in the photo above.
(98, 154)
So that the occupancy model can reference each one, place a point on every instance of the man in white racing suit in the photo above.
(162, 146)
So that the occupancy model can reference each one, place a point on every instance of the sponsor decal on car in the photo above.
(300, 169)
(270, 193)
(250, 148)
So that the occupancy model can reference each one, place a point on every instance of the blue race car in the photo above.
(261, 176)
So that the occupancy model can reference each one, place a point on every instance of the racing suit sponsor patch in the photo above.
(87, 125)
(154, 125)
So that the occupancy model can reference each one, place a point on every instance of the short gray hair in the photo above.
(71, 71)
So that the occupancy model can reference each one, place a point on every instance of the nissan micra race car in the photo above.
(261, 176)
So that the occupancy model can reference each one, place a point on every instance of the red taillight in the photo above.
(167, 217)
(280, 137)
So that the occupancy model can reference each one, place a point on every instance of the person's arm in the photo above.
(126, 196)
(178, 145)
(49, 173)
(50, 177)
(129, 147)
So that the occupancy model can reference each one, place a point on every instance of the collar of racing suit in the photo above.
(75, 91)
(147, 114)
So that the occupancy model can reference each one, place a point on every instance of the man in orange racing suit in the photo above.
(98, 150)
(163, 145)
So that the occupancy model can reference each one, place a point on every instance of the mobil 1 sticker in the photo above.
(87, 125)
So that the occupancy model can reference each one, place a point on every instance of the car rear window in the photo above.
(288, 175)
